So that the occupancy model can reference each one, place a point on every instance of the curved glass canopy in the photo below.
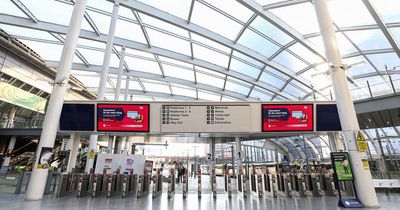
(225, 50)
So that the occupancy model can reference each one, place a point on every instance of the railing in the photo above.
(31, 123)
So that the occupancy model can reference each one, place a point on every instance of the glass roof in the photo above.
(219, 50)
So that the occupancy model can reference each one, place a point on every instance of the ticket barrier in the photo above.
(242, 185)
(171, 183)
(284, 185)
(99, 184)
(256, 185)
(129, 185)
(185, 185)
(114, 184)
(313, 184)
(214, 184)
(327, 184)
(298, 185)
(199, 184)
(228, 186)
(84, 185)
(143, 186)
(68, 183)
(269, 185)
(157, 184)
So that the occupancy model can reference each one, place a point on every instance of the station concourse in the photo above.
(199, 104)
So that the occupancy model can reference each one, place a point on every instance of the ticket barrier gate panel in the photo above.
(157, 185)
(328, 185)
(99, 184)
(298, 185)
(185, 186)
(269, 185)
(171, 183)
(316, 185)
(284, 185)
(256, 185)
(214, 185)
(84, 185)
(228, 185)
(199, 185)
(242, 185)
(114, 184)
(68, 183)
(129, 185)
(143, 185)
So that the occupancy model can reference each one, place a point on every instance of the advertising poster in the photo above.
(341, 165)
(287, 117)
(148, 166)
(123, 117)
(45, 157)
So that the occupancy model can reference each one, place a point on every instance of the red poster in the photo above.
(123, 117)
(287, 117)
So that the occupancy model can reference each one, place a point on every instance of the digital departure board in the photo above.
(287, 117)
(123, 117)
(327, 118)
(77, 117)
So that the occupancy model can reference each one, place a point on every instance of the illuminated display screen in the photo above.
(287, 117)
(123, 117)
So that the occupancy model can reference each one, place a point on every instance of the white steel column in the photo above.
(74, 152)
(110, 144)
(239, 154)
(11, 144)
(120, 71)
(103, 79)
(347, 114)
(126, 89)
(37, 181)
(126, 145)
(11, 116)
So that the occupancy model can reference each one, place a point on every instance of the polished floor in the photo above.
(16, 202)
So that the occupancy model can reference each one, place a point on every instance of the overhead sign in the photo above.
(341, 165)
(123, 117)
(287, 117)
(327, 118)
(205, 118)
(77, 117)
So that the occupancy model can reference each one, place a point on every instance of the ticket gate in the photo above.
(199, 184)
(171, 183)
(242, 185)
(99, 184)
(114, 184)
(143, 186)
(256, 185)
(157, 184)
(129, 185)
(214, 183)
(313, 185)
(327, 184)
(68, 183)
(228, 185)
(284, 185)
(269, 185)
(185, 185)
(298, 185)
(84, 185)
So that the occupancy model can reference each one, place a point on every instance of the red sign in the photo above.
(123, 117)
(287, 117)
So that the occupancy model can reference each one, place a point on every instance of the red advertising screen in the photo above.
(123, 117)
(287, 117)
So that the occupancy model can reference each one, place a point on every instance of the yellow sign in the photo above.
(91, 154)
(365, 164)
(362, 146)
(360, 137)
